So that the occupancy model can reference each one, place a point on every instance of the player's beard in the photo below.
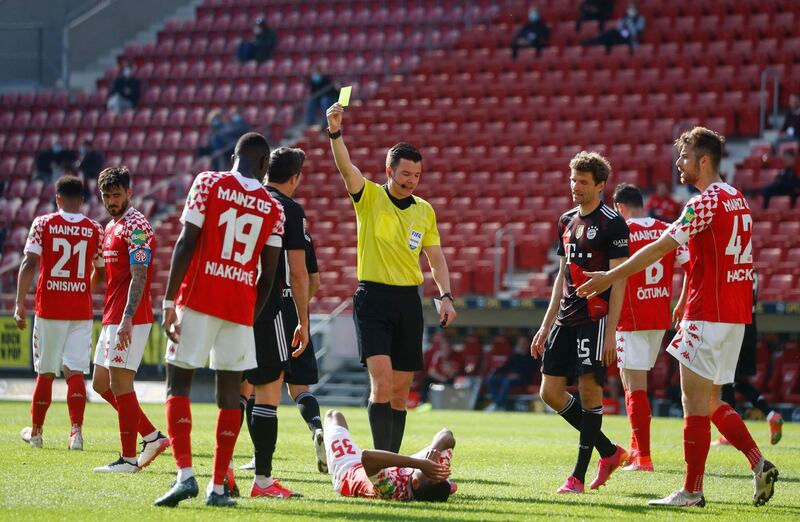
(118, 211)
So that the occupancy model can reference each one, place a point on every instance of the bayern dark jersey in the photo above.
(295, 237)
(588, 243)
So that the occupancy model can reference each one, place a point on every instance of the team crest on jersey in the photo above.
(579, 232)
(688, 216)
(138, 237)
(414, 239)
(592, 232)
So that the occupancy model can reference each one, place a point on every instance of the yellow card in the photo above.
(344, 95)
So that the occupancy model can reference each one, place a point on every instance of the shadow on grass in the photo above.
(748, 476)
(485, 482)
(557, 500)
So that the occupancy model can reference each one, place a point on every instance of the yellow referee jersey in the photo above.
(390, 239)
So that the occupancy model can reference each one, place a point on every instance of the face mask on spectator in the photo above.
(57, 148)
(216, 123)
(631, 12)
(533, 15)
(316, 77)
(127, 72)
(236, 118)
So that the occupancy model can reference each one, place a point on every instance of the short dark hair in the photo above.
(433, 492)
(284, 163)
(252, 145)
(402, 151)
(628, 195)
(69, 187)
(593, 162)
(114, 177)
(703, 142)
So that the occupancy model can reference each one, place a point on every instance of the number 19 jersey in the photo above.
(717, 225)
(237, 217)
(68, 245)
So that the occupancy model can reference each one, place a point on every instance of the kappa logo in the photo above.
(621, 340)
(620, 349)
(227, 433)
(76, 394)
(184, 420)
(694, 336)
(693, 328)
(619, 361)
(118, 359)
(120, 348)
(675, 342)
(689, 343)
(685, 355)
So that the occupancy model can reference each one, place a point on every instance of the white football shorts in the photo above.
(638, 349)
(342, 453)
(109, 353)
(711, 350)
(58, 343)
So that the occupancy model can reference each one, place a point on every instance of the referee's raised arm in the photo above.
(353, 179)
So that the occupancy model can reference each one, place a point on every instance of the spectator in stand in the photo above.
(535, 33)
(125, 92)
(599, 10)
(627, 32)
(786, 182)
(265, 40)
(445, 366)
(236, 127)
(662, 205)
(218, 142)
(790, 131)
(323, 94)
(54, 160)
(517, 371)
(89, 164)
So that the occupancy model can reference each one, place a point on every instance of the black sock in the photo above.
(380, 422)
(591, 421)
(752, 395)
(242, 409)
(248, 414)
(728, 395)
(398, 428)
(309, 409)
(264, 432)
(572, 414)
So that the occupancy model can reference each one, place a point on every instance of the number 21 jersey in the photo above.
(237, 217)
(717, 225)
(68, 244)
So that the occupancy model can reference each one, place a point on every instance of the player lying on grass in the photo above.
(384, 474)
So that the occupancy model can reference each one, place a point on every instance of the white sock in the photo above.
(150, 437)
(219, 489)
(230, 464)
(185, 473)
(263, 481)
(130, 460)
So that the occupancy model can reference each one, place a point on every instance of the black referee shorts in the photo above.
(389, 322)
(572, 351)
(274, 349)
(746, 365)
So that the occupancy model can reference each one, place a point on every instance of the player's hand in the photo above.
(20, 316)
(434, 470)
(447, 313)
(300, 340)
(677, 314)
(598, 282)
(170, 325)
(334, 115)
(609, 348)
(125, 331)
(537, 344)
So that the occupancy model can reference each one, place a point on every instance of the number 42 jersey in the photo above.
(237, 217)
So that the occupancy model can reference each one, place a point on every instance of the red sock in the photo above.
(640, 421)
(145, 426)
(76, 398)
(108, 395)
(629, 410)
(731, 426)
(228, 424)
(696, 443)
(128, 414)
(179, 425)
(42, 396)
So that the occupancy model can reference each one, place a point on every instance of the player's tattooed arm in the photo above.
(136, 289)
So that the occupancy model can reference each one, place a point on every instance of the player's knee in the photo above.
(550, 397)
(447, 437)
(381, 390)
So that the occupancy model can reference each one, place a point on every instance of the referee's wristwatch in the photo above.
(447, 295)
(334, 135)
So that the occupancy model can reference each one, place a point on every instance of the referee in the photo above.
(393, 228)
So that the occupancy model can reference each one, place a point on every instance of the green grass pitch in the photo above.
(507, 465)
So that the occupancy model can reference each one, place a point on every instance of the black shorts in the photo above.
(572, 351)
(746, 365)
(389, 322)
(274, 351)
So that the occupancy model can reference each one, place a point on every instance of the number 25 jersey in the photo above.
(237, 217)
(717, 225)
